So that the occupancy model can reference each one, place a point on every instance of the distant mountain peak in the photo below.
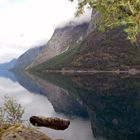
(8, 65)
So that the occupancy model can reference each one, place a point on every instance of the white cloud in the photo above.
(8, 52)
(27, 22)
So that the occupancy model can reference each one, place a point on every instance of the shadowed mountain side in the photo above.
(59, 98)
(112, 102)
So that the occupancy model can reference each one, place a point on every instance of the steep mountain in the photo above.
(25, 59)
(62, 39)
(8, 65)
(108, 50)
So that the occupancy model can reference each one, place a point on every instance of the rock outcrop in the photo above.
(19, 132)
(93, 25)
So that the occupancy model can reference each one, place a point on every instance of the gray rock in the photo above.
(19, 132)
(93, 23)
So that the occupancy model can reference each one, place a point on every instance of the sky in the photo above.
(29, 23)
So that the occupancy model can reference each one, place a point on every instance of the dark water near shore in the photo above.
(99, 106)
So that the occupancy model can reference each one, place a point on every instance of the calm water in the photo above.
(100, 107)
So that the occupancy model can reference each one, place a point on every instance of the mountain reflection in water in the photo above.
(112, 102)
(109, 103)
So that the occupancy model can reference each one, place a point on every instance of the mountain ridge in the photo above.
(101, 51)
(83, 47)
(61, 40)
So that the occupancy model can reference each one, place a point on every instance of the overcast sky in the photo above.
(28, 23)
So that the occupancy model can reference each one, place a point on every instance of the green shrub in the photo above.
(11, 112)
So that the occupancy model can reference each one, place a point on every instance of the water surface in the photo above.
(99, 106)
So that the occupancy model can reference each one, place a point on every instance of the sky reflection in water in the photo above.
(37, 104)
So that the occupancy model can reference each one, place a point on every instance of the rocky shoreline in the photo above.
(19, 132)
(130, 71)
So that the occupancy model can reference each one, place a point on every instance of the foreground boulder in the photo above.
(53, 123)
(19, 132)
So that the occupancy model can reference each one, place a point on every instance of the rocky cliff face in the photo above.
(62, 40)
(24, 60)
(93, 23)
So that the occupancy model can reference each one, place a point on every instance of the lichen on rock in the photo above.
(19, 132)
